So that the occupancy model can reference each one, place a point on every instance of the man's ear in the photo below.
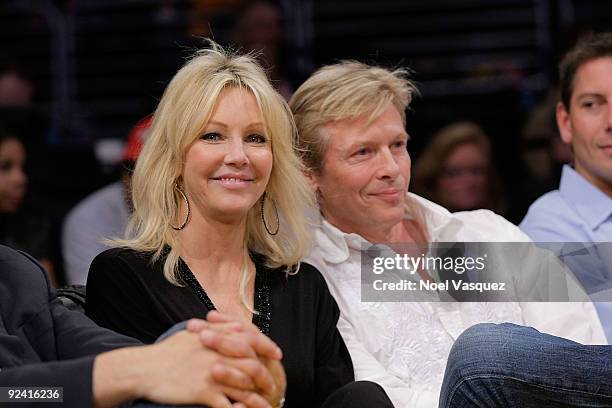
(564, 123)
(313, 179)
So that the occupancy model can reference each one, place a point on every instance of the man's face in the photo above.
(13, 180)
(365, 173)
(587, 124)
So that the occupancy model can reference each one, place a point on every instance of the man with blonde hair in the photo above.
(352, 138)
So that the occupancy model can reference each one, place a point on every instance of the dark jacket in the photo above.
(41, 342)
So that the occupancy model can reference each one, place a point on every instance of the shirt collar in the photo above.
(592, 204)
(335, 245)
(441, 225)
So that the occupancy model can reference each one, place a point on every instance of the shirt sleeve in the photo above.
(77, 340)
(544, 231)
(551, 299)
(577, 321)
(546, 222)
(74, 376)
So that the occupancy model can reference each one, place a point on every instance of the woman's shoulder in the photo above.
(125, 254)
(123, 258)
(311, 273)
(303, 277)
(308, 273)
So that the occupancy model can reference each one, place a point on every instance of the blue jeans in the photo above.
(506, 365)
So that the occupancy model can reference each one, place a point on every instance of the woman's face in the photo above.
(463, 182)
(13, 180)
(228, 167)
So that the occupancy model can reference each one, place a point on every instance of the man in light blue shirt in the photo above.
(580, 211)
(514, 366)
(577, 212)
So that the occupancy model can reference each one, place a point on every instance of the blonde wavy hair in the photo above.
(343, 91)
(180, 118)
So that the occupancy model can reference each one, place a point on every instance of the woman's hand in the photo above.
(278, 373)
(239, 340)
(178, 370)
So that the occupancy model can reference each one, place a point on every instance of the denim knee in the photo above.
(486, 348)
(493, 365)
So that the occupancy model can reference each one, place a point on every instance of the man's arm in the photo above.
(74, 376)
(156, 372)
(176, 371)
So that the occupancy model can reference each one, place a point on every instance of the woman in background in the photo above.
(19, 228)
(456, 170)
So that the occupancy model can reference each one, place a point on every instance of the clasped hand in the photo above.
(237, 367)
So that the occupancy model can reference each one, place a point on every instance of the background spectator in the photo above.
(259, 28)
(15, 88)
(20, 228)
(102, 215)
(580, 210)
(543, 153)
(456, 170)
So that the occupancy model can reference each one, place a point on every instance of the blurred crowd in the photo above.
(455, 166)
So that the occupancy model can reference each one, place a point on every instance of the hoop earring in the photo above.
(181, 192)
(263, 218)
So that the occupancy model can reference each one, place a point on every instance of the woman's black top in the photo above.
(128, 293)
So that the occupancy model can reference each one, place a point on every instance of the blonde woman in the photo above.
(217, 225)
